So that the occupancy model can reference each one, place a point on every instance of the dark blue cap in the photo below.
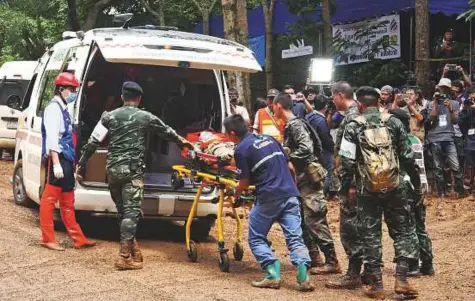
(131, 90)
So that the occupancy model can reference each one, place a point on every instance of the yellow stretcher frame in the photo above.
(222, 183)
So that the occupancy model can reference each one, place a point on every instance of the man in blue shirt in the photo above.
(263, 163)
(318, 120)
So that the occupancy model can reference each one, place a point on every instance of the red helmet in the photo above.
(66, 79)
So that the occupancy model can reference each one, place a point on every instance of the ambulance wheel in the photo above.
(193, 252)
(224, 262)
(238, 251)
(19, 191)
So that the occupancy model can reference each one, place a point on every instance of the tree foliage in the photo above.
(470, 14)
(28, 26)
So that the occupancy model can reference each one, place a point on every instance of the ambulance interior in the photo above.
(188, 100)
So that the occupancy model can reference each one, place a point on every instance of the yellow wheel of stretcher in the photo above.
(222, 184)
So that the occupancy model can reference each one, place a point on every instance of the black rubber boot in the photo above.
(414, 270)
(402, 287)
(376, 289)
(352, 278)
(427, 268)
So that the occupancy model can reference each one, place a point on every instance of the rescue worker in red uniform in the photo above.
(58, 150)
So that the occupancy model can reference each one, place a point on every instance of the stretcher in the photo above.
(208, 171)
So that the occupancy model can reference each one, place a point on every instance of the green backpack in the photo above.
(379, 167)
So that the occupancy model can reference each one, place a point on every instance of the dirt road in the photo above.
(29, 272)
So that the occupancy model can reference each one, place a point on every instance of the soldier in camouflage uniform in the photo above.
(371, 205)
(127, 128)
(415, 198)
(303, 150)
(349, 236)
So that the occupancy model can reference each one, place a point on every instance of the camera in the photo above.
(468, 102)
(451, 67)
(441, 98)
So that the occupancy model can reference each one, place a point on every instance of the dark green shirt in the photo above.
(127, 128)
(350, 142)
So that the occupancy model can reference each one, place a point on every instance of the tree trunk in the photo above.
(205, 9)
(327, 29)
(161, 14)
(205, 15)
(268, 20)
(91, 17)
(243, 38)
(422, 43)
(229, 13)
(73, 16)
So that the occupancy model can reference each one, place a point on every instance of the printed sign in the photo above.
(366, 40)
(297, 50)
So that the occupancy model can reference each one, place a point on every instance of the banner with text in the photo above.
(367, 40)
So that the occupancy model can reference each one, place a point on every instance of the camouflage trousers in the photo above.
(418, 215)
(397, 215)
(126, 189)
(314, 209)
(349, 230)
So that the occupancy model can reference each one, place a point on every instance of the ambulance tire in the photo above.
(201, 227)
(18, 187)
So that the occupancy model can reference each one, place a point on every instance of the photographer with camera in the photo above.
(455, 72)
(443, 114)
(467, 126)
(414, 103)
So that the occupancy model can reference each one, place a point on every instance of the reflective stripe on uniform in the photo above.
(266, 158)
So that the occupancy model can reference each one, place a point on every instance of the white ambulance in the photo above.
(14, 80)
(182, 75)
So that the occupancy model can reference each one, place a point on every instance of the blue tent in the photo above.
(348, 11)
(255, 19)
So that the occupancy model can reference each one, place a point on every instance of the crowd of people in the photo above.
(355, 147)
(299, 151)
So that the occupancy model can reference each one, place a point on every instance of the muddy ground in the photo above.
(29, 272)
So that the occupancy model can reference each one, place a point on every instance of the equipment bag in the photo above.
(379, 168)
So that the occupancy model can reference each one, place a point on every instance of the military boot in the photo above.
(135, 252)
(125, 261)
(376, 289)
(272, 279)
(352, 278)
(414, 270)
(315, 257)
(401, 286)
(303, 279)
(427, 268)
(331, 265)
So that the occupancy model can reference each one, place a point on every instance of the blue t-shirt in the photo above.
(262, 161)
(299, 110)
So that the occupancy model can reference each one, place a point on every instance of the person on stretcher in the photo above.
(215, 144)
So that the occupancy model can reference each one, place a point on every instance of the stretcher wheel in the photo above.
(224, 262)
(238, 251)
(193, 252)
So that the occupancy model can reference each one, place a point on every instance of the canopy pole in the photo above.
(471, 45)
(411, 41)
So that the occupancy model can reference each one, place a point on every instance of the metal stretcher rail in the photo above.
(224, 185)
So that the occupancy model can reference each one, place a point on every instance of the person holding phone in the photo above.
(442, 115)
